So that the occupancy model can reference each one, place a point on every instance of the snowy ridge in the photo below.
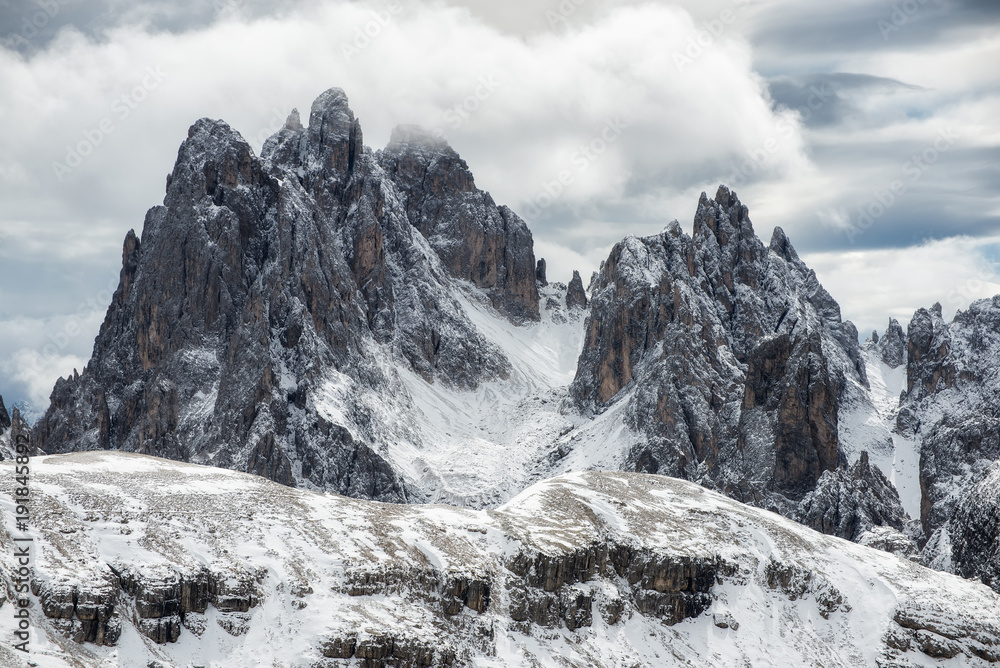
(591, 569)
(868, 424)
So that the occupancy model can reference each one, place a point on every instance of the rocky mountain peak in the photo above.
(294, 122)
(213, 156)
(782, 246)
(927, 352)
(730, 357)
(576, 296)
(952, 409)
(17, 431)
(477, 241)
(540, 272)
(266, 286)
(334, 132)
(892, 345)
(4, 418)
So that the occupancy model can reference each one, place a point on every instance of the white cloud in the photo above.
(37, 373)
(875, 285)
(521, 101)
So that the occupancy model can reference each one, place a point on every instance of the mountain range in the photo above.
(370, 323)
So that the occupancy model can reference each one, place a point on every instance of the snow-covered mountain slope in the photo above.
(478, 448)
(154, 563)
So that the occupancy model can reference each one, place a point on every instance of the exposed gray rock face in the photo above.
(18, 434)
(975, 531)
(4, 418)
(540, 272)
(475, 239)
(263, 282)
(892, 346)
(732, 358)
(6, 452)
(576, 296)
(952, 408)
(851, 501)
(930, 368)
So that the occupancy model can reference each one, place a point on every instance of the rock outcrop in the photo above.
(732, 358)
(974, 531)
(952, 410)
(949, 412)
(477, 241)
(540, 272)
(930, 368)
(17, 439)
(851, 501)
(4, 418)
(6, 451)
(576, 296)
(892, 345)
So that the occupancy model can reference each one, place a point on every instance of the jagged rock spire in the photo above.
(576, 296)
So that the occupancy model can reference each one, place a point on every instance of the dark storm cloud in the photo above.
(30, 25)
(788, 37)
(911, 202)
(824, 99)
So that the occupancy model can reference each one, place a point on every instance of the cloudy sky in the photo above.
(867, 129)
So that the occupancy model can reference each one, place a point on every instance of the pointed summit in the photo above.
(576, 296)
(331, 113)
(782, 246)
(293, 122)
(892, 345)
(477, 241)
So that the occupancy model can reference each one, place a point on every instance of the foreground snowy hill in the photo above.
(143, 562)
